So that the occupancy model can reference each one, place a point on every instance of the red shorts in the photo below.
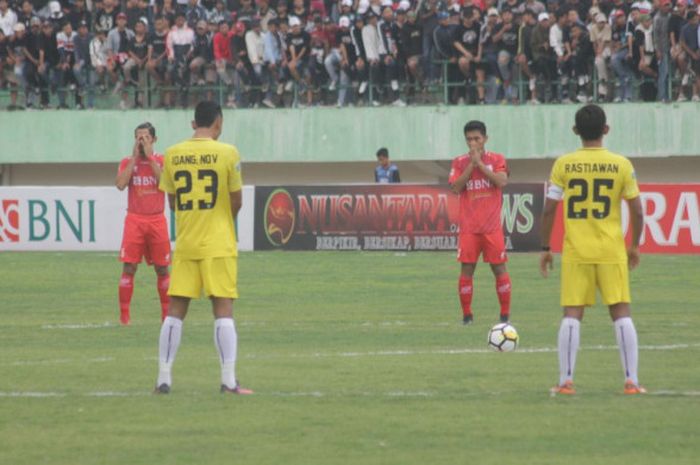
(145, 236)
(492, 245)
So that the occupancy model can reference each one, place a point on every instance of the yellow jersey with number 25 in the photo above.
(201, 173)
(592, 183)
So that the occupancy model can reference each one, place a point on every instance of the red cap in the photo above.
(239, 27)
(619, 13)
(121, 15)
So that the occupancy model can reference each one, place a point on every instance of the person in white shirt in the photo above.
(562, 54)
(8, 19)
(254, 43)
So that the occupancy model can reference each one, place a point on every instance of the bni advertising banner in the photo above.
(382, 217)
(82, 218)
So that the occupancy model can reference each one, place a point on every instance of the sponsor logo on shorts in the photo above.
(9, 220)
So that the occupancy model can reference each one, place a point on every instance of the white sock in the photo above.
(226, 342)
(170, 334)
(569, 338)
(626, 336)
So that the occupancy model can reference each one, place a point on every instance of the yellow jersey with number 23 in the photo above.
(201, 173)
(592, 183)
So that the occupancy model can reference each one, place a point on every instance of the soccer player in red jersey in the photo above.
(479, 177)
(145, 228)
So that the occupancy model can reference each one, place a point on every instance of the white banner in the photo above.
(82, 218)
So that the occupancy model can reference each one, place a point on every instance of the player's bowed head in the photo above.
(208, 120)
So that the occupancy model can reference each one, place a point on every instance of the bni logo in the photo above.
(9, 221)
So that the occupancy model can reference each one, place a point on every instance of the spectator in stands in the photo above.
(82, 72)
(223, 59)
(412, 44)
(201, 65)
(65, 43)
(361, 67)
(334, 57)
(273, 58)
(374, 49)
(219, 13)
(168, 11)
(644, 56)
(489, 52)
(105, 18)
(242, 65)
(256, 57)
(118, 43)
(157, 65)
(581, 56)
(134, 12)
(601, 38)
(298, 43)
(385, 172)
(31, 58)
(317, 71)
(26, 13)
(678, 55)
(139, 54)
(562, 53)
(506, 39)
(545, 64)
(429, 21)
(535, 6)
(247, 12)
(622, 57)
(13, 67)
(265, 14)
(8, 19)
(389, 35)
(48, 62)
(524, 57)
(99, 58)
(466, 42)
(662, 46)
(179, 46)
(78, 14)
(195, 13)
(689, 42)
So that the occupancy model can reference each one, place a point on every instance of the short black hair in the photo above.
(383, 152)
(206, 113)
(475, 125)
(146, 125)
(590, 122)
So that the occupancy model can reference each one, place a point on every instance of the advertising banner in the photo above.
(671, 219)
(81, 218)
(382, 217)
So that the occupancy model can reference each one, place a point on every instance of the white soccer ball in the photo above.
(503, 338)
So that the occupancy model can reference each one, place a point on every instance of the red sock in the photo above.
(126, 290)
(466, 291)
(163, 284)
(503, 288)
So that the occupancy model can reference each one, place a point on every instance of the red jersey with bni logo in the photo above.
(144, 196)
(480, 201)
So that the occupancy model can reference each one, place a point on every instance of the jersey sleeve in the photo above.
(501, 165)
(630, 189)
(455, 172)
(166, 180)
(557, 177)
(122, 165)
(235, 181)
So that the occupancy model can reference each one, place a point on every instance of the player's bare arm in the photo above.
(548, 214)
(236, 202)
(637, 220)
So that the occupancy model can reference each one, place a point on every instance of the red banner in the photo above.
(671, 219)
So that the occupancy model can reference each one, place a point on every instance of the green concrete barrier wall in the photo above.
(350, 134)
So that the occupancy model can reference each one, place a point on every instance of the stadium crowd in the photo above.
(250, 53)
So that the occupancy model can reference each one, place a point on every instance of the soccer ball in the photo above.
(503, 338)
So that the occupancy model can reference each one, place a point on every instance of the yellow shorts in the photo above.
(217, 276)
(579, 282)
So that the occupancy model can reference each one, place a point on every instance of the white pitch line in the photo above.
(676, 393)
(31, 394)
(106, 324)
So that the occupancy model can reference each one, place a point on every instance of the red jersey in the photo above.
(480, 201)
(144, 196)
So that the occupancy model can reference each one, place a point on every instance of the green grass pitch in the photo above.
(356, 358)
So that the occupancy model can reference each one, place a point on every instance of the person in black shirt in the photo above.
(26, 13)
(298, 47)
(106, 17)
(348, 57)
(387, 32)
(524, 57)
(361, 70)
(412, 45)
(581, 55)
(202, 70)
(466, 42)
(157, 65)
(506, 40)
(78, 14)
(32, 55)
(139, 55)
(678, 55)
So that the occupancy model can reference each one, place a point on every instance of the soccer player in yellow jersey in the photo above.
(202, 178)
(592, 182)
